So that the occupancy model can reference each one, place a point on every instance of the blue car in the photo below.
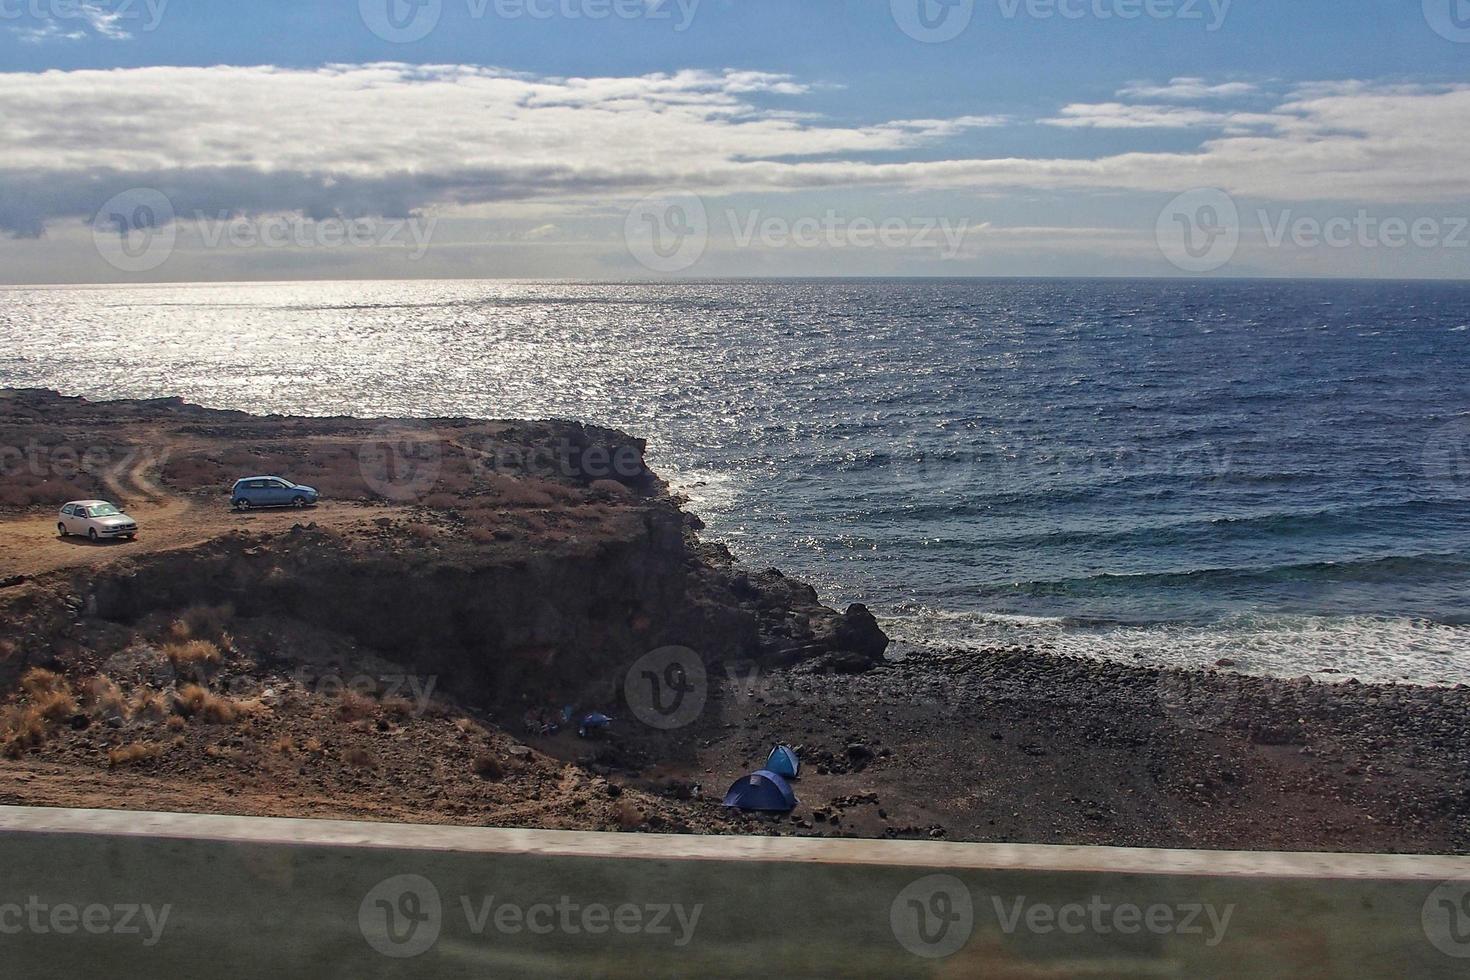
(270, 491)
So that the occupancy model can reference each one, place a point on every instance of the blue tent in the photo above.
(595, 720)
(761, 790)
(783, 762)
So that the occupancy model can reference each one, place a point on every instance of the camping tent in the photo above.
(783, 762)
(593, 721)
(761, 790)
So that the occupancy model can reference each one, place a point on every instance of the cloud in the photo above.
(104, 23)
(393, 139)
(1117, 115)
(50, 31)
(1186, 89)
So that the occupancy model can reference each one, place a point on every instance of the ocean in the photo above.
(1160, 472)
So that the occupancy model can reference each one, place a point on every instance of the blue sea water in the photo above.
(1159, 471)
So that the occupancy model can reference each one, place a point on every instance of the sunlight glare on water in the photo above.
(1157, 471)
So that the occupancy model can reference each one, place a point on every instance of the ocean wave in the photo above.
(1206, 530)
(1386, 568)
(1374, 649)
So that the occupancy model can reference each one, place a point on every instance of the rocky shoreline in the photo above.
(404, 652)
(1020, 746)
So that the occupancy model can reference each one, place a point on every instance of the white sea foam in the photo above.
(709, 492)
(1376, 649)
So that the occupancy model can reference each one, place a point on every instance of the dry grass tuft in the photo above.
(194, 701)
(285, 745)
(397, 707)
(489, 767)
(192, 653)
(106, 698)
(611, 489)
(424, 532)
(39, 680)
(353, 705)
(468, 725)
(358, 757)
(21, 728)
(481, 535)
(56, 705)
(50, 694)
(150, 705)
(312, 746)
(190, 699)
(134, 752)
(19, 492)
(511, 492)
(629, 816)
(203, 622)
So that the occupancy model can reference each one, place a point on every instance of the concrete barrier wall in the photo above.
(119, 894)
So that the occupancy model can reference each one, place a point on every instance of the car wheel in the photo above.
(61, 529)
(242, 505)
(298, 502)
(91, 534)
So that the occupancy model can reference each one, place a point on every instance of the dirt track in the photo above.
(30, 545)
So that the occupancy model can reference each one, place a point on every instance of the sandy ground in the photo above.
(30, 545)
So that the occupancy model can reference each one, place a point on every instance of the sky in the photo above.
(182, 140)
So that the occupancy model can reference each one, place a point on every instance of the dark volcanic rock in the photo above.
(793, 624)
(859, 633)
(844, 662)
(538, 564)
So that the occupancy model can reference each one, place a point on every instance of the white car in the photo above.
(97, 519)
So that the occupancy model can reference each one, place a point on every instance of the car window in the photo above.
(68, 510)
(257, 484)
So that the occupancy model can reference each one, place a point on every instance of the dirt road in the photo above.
(31, 546)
